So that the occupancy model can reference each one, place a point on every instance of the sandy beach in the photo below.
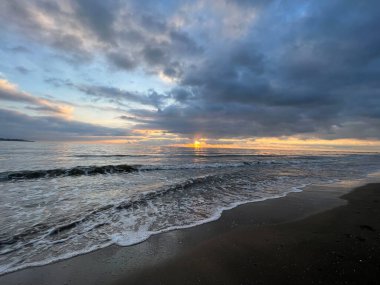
(312, 237)
(189, 142)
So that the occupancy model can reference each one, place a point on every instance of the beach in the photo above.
(311, 237)
(189, 142)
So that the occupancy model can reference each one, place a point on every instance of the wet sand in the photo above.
(312, 237)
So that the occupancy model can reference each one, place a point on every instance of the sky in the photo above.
(228, 73)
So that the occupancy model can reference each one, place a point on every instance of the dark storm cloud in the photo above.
(227, 120)
(313, 71)
(183, 95)
(15, 124)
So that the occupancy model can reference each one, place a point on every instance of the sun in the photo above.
(197, 144)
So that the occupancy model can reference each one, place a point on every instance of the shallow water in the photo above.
(62, 199)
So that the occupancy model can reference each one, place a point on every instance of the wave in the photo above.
(221, 155)
(110, 169)
(64, 230)
(145, 197)
(109, 155)
(61, 172)
(45, 230)
(122, 239)
(196, 166)
(140, 200)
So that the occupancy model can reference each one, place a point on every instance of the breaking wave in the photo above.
(109, 169)
(59, 172)
(109, 155)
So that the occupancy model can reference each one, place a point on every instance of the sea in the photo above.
(61, 199)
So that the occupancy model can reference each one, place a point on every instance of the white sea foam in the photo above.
(123, 239)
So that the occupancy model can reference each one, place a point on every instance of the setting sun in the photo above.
(197, 143)
(127, 126)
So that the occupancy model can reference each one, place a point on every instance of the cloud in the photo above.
(16, 125)
(10, 92)
(122, 61)
(19, 49)
(118, 96)
(98, 16)
(295, 73)
(239, 68)
(123, 97)
(127, 118)
(22, 70)
(126, 34)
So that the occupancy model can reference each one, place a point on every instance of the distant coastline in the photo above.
(14, 140)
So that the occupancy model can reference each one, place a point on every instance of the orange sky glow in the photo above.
(152, 137)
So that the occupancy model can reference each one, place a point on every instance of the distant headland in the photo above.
(14, 140)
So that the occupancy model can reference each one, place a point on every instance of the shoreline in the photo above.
(211, 219)
(114, 264)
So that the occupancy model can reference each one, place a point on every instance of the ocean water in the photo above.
(59, 200)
